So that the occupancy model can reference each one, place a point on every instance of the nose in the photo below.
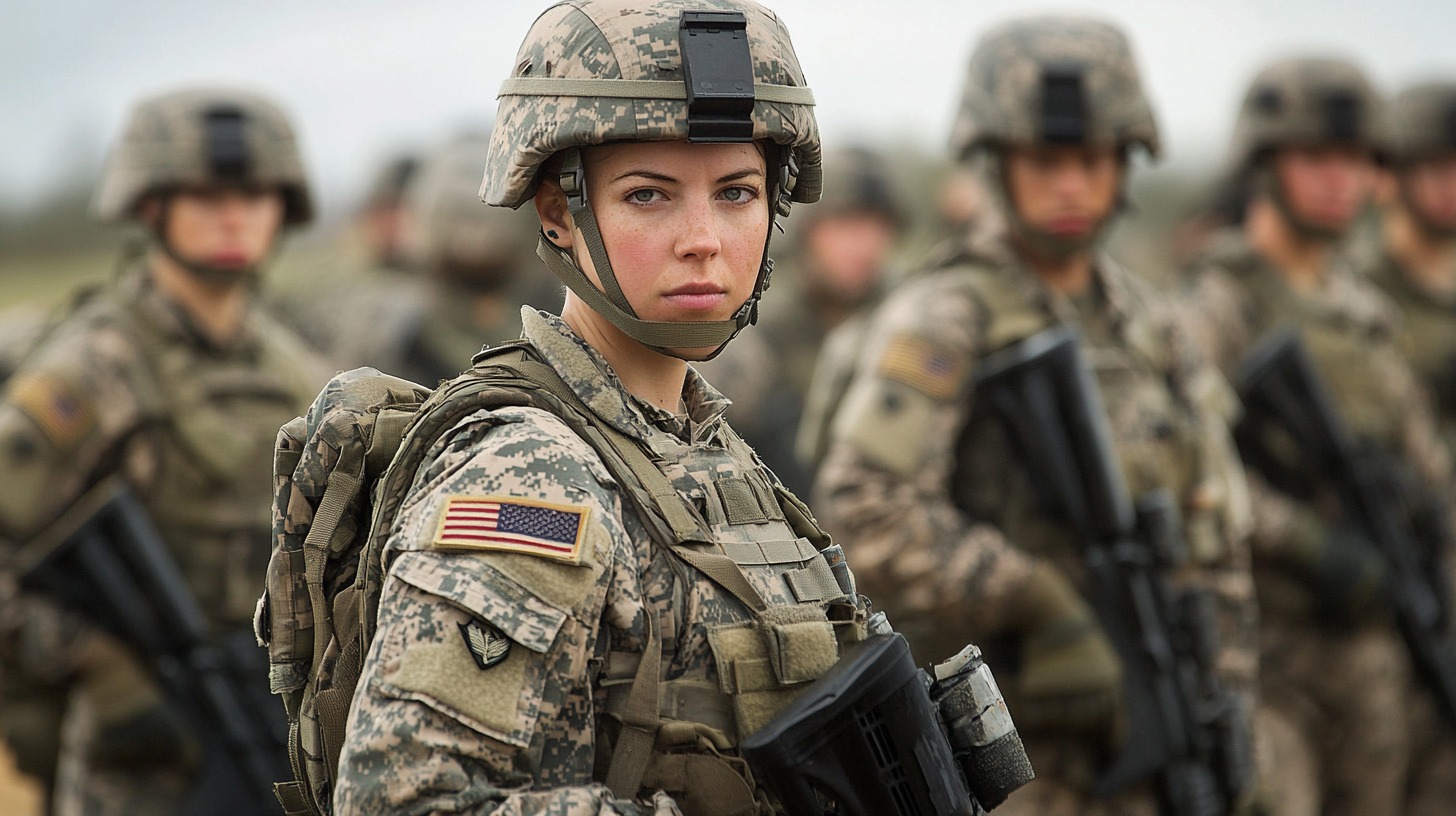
(698, 238)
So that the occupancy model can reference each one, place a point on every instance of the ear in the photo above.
(149, 210)
(554, 211)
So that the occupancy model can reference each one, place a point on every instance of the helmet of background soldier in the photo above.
(1053, 79)
(201, 137)
(596, 71)
(1307, 101)
(857, 181)
(1423, 122)
(452, 234)
(391, 182)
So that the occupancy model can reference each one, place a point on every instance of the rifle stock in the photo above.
(105, 561)
(1189, 731)
(1293, 434)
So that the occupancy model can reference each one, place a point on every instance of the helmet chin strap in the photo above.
(611, 302)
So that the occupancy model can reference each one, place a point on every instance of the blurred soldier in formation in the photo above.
(371, 256)
(918, 482)
(465, 286)
(1412, 258)
(1335, 679)
(174, 380)
(839, 264)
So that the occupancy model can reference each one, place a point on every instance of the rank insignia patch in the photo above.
(923, 366)
(487, 644)
(512, 525)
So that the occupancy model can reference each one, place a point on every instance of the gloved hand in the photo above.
(135, 727)
(1345, 572)
(1071, 677)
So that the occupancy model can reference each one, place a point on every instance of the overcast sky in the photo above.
(367, 77)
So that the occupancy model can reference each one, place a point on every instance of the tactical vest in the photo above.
(1342, 343)
(208, 421)
(1161, 435)
(1427, 337)
(780, 611)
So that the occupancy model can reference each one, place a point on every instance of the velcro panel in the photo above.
(739, 501)
(814, 583)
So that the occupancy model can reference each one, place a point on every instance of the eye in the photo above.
(739, 195)
(645, 195)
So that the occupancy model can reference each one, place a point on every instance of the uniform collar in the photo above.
(169, 319)
(594, 382)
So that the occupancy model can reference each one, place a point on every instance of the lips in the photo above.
(228, 258)
(696, 296)
(1069, 225)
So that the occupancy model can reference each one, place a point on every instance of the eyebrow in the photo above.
(747, 172)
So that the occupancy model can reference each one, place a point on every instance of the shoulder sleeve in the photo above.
(62, 416)
(884, 486)
(477, 691)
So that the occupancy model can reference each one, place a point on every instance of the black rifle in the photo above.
(1187, 728)
(1294, 436)
(106, 562)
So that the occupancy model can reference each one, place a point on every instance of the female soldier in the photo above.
(572, 627)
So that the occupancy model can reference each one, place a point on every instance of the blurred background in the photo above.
(367, 80)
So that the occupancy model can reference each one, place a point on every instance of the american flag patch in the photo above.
(923, 366)
(512, 525)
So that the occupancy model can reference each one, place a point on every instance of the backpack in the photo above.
(341, 473)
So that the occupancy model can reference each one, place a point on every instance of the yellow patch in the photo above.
(923, 366)
(511, 524)
(64, 414)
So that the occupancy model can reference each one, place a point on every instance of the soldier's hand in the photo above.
(135, 727)
(1071, 677)
(1346, 573)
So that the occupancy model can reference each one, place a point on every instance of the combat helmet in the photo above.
(596, 71)
(453, 235)
(1053, 79)
(1307, 101)
(1423, 122)
(856, 180)
(201, 137)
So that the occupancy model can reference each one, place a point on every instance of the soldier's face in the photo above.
(1430, 187)
(683, 224)
(1325, 187)
(1064, 191)
(225, 228)
(849, 252)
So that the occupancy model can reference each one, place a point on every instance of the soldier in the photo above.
(918, 481)
(173, 380)
(1413, 256)
(384, 221)
(841, 263)
(597, 663)
(1335, 677)
(469, 258)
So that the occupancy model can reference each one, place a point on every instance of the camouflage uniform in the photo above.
(918, 481)
(430, 726)
(500, 677)
(1334, 699)
(1423, 119)
(128, 385)
(940, 527)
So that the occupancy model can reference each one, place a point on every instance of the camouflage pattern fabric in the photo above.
(1341, 701)
(127, 384)
(622, 39)
(1001, 100)
(767, 372)
(1424, 118)
(919, 486)
(197, 137)
(1427, 333)
(498, 668)
(1307, 100)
